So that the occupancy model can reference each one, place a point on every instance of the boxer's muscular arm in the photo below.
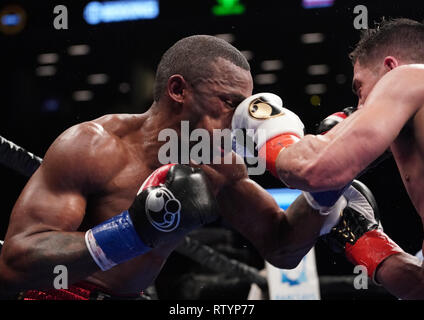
(42, 228)
(403, 276)
(318, 163)
(282, 238)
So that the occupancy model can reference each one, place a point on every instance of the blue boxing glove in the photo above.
(173, 201)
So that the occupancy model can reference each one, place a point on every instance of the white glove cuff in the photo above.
(314, 204)
(333, 215)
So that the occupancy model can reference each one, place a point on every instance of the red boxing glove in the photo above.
(371, 249)
(332, 120)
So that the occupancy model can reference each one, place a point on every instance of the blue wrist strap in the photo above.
(114, 241)
(328, 198)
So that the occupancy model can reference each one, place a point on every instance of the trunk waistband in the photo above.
(83, 290)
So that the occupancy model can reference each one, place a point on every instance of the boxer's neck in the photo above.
(163, 118)
(169, 115)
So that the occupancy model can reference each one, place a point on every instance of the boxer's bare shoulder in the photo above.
(78, 163)
(88, 152)
(104, 158)
(405, 82)
(120, 124)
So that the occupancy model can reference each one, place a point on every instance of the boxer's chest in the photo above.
(117, 195)
(408, 152)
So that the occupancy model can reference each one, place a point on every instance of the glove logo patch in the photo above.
(259, 108)
(163, 210)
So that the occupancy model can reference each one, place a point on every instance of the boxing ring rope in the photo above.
(206, 256)
(26, 163)
(17, 158)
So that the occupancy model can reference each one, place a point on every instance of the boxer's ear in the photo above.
(176, 87)
(390, 63)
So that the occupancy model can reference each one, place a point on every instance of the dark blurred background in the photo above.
(52, 79)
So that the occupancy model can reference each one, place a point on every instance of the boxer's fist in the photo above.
(268, 124)
(328, 123)
(174, 200)
(357, 197)
(358, 233)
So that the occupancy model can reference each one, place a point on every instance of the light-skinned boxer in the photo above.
(389, 81)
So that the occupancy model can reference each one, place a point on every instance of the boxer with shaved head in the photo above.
(103, 205)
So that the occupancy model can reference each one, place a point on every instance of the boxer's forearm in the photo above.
(330, 161)
(403, 276)
(299, 231)
(29, 262)
(282, 238)
(312, 165)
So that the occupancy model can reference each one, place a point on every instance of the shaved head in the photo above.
(193, 58)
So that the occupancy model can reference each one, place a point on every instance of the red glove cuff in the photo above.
(272, 148)
(371, 249)
(338, 117)
(157, 177)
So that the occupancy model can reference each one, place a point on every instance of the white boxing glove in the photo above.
(357, 197)
(268, 124)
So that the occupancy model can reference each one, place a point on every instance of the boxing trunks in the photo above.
(79, 291)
